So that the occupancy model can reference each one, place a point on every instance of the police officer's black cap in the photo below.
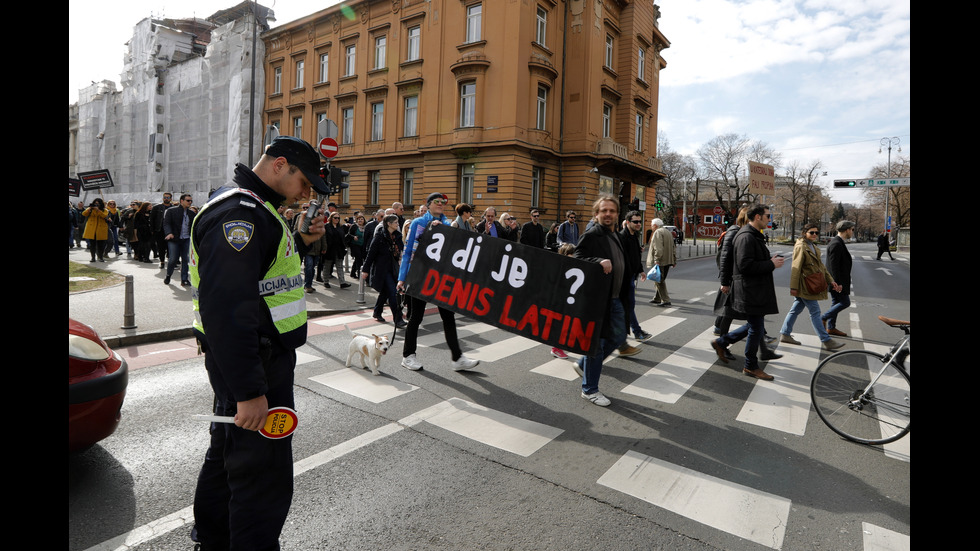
(301, 155)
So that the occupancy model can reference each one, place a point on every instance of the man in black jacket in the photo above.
(839, 266)
(156, 224)
(753, 289)
(177, 233)
(601, 245)
(532, 233)
(630, 238)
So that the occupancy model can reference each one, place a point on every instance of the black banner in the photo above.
(95, 179)
(556, 300)
(74, 187)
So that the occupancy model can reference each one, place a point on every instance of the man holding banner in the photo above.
(601, 244)
(435, 202)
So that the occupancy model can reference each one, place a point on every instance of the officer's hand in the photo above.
(252, 413)
(315, 232)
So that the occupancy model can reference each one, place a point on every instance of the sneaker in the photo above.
(411, 362)
(577, 366)
(831, 344)
(464, 363)
(344, 285)
(627, 350)
(559, 353)
(642, 335)
(597, 398)
(788, 339)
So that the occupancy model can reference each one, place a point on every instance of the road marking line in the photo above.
(671, 378)
(745, 512)
(491, 427)
(363, 384)
(502, 349)
(784, 404)
(559, 369)
(877, 538)
(900, 449)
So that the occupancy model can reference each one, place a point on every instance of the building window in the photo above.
(347, 115)
(408, 182)
(351, 53)
(414, 43)
(467, 104)
(324, 67)
(375, 178)
(542, 108)
(298, 127)
(606, 120)
(299, 73)
(467, 175)
(474, 22)
(641, 60)
(537, 176)
(411, 116)
(609, 51)
(639, 132)
(542, 26)
(377, 121)
(380, 49)
(277, 81)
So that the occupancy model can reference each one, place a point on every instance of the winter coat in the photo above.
(806, 261)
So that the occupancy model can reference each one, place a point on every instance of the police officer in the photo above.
(250, 316)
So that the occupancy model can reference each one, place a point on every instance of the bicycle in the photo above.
(864, 396)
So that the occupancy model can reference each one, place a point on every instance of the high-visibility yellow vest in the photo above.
(282, 284)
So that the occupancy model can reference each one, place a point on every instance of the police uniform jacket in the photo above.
(240, 332)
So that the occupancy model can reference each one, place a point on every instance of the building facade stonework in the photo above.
(513, 105)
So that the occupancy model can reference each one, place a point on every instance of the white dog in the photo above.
(373, 348)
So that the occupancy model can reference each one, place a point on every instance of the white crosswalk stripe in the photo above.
(784, 403)
(745, 512)
(877, 538)
(671, 378)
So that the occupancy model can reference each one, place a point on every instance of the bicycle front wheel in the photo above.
(853, 407)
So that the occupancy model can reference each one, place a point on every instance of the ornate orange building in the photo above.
(506, 103)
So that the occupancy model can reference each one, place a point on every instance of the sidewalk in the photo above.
(163, 312)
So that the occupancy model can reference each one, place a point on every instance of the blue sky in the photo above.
(816, 79)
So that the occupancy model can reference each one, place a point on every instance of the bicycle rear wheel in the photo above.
(843, 400)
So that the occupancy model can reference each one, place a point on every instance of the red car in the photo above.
(97, 379)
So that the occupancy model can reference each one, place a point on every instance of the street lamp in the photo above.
(889, 142)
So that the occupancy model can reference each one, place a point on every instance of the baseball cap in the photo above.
(301, 155)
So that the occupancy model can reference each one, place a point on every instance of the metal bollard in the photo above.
(360, 291)
(129, 310)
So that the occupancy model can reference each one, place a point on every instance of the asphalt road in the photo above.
(691, 454)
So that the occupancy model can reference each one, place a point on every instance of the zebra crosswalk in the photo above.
(750, 513)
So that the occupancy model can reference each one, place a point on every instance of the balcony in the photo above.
(607, 146)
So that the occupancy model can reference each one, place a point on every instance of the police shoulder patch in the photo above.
(238, 233)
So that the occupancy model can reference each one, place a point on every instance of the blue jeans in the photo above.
(814, 307)
(592, 366)
(182, 247)
(631, 306)
(309, 266)
(756, 332)
(838, 301)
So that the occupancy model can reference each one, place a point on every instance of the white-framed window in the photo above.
(541, 30)
(639, 133)
(537, 178)
(411, 116)
(467, 104)
(375, 178)
(324, 67)
(277, 80)
(300, 65)
(408, 183)
(347, 116)
(350, 53)
(610, 46)
(377, 121)
(467, 176)
(474, 22)
(641, 61)
(606, 120)
(414, 43)
(380, 52)
(298, 127)
(542, 110)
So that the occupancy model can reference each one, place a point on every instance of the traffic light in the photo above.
(335, 178)
(845, 183)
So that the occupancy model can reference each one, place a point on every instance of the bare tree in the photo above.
(899, 198)
(678, 170)
(725, 158)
